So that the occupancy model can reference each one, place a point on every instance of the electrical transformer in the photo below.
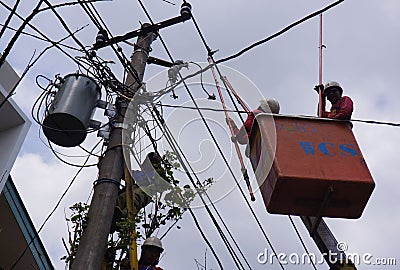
(71, 110)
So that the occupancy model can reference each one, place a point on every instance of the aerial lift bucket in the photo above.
(309, 167)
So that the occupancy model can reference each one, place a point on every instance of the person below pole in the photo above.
(150, 255)
(342, 106)
(241, 135)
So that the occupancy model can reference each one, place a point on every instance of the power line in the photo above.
(191, 212)
(171, 58)
(31, 63)
(230, 169)
(9, 18)
(212, 61)
(175, 147)
(278, 33)
(174, 142)
(301, 241)
(42, 34)
(42, 39)
(376, 122)
(219, 149)
(102, 26)
(18, 32)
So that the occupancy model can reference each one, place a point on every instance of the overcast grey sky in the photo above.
(362, 42)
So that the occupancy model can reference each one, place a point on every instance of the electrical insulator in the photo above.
(186, 9)
(174, 70)
(69, 114)
(102, 36)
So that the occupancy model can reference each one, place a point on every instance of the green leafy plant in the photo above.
(165, 207)
(78, 222)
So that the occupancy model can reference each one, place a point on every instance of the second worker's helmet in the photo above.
(269, 105)
(333, 84)
(153, 241)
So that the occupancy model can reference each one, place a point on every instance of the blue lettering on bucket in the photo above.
(347, 150)
(296, 127)
(323, 148)
(329, 149)
(307, 147)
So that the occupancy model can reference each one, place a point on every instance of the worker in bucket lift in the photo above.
(241, 135)
(342, 106)
(150, 255)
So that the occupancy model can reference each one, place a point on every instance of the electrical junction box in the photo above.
(309, 167)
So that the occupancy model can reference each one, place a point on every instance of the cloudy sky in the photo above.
(361, 53)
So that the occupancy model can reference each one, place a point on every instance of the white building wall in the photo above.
(14, 124)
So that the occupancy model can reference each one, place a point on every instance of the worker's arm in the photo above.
(319, 88)
(232, 124)
(241, 134)
(325, 114)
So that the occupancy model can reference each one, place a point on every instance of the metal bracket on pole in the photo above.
(185, 15)
(158, 61)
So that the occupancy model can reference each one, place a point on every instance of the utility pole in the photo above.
(93, 244)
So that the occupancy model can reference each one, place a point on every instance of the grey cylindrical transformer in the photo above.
(70, 112)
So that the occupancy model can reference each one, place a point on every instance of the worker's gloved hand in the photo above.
(233, 139)
(229, 121)
(319, 86)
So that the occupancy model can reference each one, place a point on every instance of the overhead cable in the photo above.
(18, 32)
(393, 124)
(64, 24)
(101, 25)
(42, 39)
(302, 242)
(68, 4)
(164, 44)
(278, 33)
(219, 149)
(31, 63)
(177, 147)
(230, 169)
(42, 34)
(5, 26)
(196, 223)
(52, 212)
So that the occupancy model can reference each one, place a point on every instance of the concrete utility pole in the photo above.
(93, 244)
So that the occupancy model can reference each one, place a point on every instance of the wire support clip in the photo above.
(106, 180)
(120, 125)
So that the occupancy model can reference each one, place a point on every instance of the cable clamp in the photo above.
(120, 125)
(106, 180)
(137, 48)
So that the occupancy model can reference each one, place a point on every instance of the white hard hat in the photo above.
(269, 105)
(333, 84)
(153, 241)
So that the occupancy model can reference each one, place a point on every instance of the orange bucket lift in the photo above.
(309, 167)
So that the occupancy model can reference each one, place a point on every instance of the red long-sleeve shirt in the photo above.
(341, 109)
(242, 134)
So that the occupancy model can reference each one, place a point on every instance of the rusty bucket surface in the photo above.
(311, 167)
